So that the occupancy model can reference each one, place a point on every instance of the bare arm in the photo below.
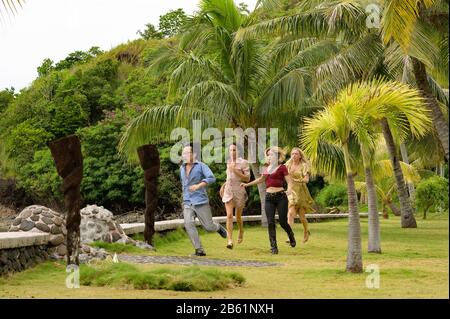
(259, 180)
(242, 176)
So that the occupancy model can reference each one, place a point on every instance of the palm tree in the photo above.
(410, 21)
(360, 54)
(351, 116)
(225, 82)
(385, 183)
(10, 7)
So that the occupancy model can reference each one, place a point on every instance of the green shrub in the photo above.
(40, 178)
(332, 195)
(432, 193)
(185, 279)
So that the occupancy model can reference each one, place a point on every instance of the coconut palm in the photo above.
(227, 83)
(411, 21)
(352, 115)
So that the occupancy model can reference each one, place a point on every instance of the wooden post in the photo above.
(150, 163)
(68, 159)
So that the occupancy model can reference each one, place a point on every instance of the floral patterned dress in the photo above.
(233, 191)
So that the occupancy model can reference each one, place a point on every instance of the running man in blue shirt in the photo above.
(195, 176)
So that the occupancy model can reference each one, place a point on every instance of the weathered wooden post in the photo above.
(149, 158)
(68, 159)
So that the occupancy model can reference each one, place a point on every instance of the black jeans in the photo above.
(277, 202)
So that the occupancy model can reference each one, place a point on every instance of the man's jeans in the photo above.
(203, 213)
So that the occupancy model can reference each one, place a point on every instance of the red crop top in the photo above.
(276, 179)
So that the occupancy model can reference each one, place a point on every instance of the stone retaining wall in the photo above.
(19, 251)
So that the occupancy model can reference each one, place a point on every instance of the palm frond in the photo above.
(399, 18)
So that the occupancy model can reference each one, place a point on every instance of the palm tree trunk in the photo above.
(354, 252)
(262, 194)
(405, 158)
(394, 209)
(374, 245)
(407, 211)
(440, 124)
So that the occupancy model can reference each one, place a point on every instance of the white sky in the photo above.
(54, 28)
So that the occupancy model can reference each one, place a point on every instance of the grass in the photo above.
(414, 264)
(183, 279)
(163, 239)
(118, 248)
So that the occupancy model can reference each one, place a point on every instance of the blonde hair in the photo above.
(277, 150)
(304, 161)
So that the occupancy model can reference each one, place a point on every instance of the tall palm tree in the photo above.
(409, 21)
(226, 82)
(351, 116)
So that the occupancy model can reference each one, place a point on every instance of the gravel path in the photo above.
(193, 261)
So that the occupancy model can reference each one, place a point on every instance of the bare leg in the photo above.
(291, 217)
(240, 224)
(229, 206)
(305, 225)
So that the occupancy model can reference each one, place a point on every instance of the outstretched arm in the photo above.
(259, 180)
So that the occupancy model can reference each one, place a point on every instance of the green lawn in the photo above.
(414, 264)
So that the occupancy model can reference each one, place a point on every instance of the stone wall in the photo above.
(18, 259)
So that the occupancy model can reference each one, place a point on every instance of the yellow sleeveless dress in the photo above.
(300, 196)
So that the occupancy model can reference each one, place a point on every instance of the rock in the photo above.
(26, 225)
(43, 227)
(143, 245)
(3, 256)
(56, 240)
(47, 214)
(55, 230)
(107, 238)
(58, 221)
(34, 218)
(115, 236)
(86, 249)
(61, 250)
(111, 226)
(17, 221)
(47, 220)
(26, 213)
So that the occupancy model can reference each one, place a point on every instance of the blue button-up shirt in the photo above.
(200, 172)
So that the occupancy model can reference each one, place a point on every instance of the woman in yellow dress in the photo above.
(300, 200)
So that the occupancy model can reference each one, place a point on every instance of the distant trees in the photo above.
(74, 58)
(170, 24)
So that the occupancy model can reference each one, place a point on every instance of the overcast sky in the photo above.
(54, 28)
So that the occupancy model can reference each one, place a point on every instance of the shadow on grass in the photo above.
(184, 279)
